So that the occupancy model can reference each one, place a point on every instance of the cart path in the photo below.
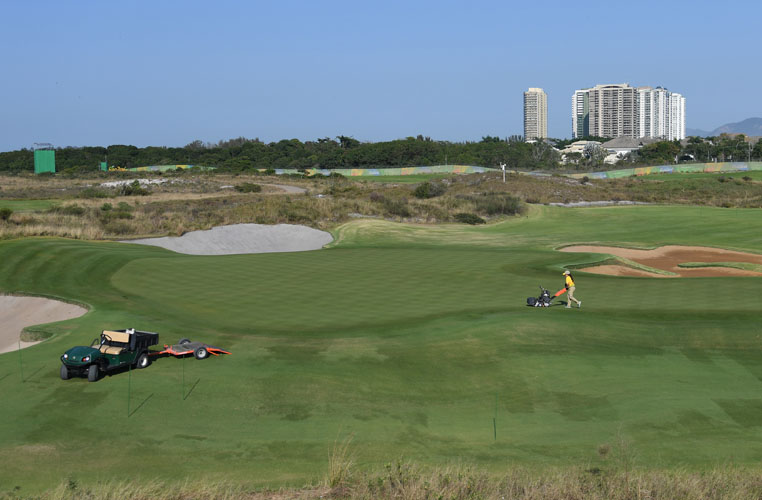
(288, 188)
(16, 313)
(668, 258)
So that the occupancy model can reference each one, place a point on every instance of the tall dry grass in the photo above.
(341, 464)
(408, 481)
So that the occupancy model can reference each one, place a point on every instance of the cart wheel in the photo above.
(65, 373)
(201, 353)
(184, 341)
(92, 373)
(143, 361)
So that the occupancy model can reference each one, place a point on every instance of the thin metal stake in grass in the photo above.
(494, 419)
(129, 388)
(21, 363)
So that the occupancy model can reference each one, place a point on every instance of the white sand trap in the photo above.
(19, 312)
(243, 238)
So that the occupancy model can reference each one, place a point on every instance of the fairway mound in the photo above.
(243, 238)
(16, 313)
(672, 258)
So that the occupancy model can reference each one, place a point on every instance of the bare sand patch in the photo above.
(668, 258)
(242, 239)
(16, 313)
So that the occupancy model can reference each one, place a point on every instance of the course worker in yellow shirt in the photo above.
(570, 290)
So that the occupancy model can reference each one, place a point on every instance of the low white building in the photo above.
(620, 147)
(576, 147)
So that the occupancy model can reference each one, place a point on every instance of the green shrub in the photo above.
(248, 187)
(746, 178)
(108, 217)
(106, 207)
(118, 227)
(467, 218)
(123, 206)
(5, 213)
(429, 190)
(377, 197)
(69, 210)
(93, 193)
(397, 207)
(497, 204)
(134, 189)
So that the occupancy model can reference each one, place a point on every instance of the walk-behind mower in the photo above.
(544, 299)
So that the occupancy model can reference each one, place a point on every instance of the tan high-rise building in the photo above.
(618, 110)
(535, 114)
(614, 111)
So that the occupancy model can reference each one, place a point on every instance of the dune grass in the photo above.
(754, 175)
(414, 340)
(403, 179)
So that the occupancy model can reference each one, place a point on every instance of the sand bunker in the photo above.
(243, 238)
(667, 258)
(16, 313)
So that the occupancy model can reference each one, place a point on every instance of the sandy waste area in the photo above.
(16, 313)
(667, 258)
(243, 238)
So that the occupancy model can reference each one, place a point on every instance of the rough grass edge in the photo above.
(411, 481)
(746, 266)
(622, 261)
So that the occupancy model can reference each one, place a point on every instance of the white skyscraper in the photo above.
(580, 114)
(535, 114)
(676, 117)
(661, 114)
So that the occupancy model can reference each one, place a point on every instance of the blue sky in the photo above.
(167, 73)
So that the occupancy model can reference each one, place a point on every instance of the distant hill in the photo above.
(695, 132)
(749, 127)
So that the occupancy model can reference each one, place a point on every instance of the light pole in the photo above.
(502, 165)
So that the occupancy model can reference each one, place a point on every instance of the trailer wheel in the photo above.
(65, 373)
(93, 373)
(184, 341)
(201, 353)
(143, 361)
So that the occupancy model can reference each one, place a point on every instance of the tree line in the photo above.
(346, 152)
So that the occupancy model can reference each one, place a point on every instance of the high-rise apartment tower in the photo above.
(535, 114)
(619, 110)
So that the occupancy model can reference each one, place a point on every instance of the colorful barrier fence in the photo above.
(364, 172)
(471, 169)
(669, 169)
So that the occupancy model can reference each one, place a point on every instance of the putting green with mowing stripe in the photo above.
(415, 340)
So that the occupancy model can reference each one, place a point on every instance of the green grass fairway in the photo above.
(411, 339)
(27, 205)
